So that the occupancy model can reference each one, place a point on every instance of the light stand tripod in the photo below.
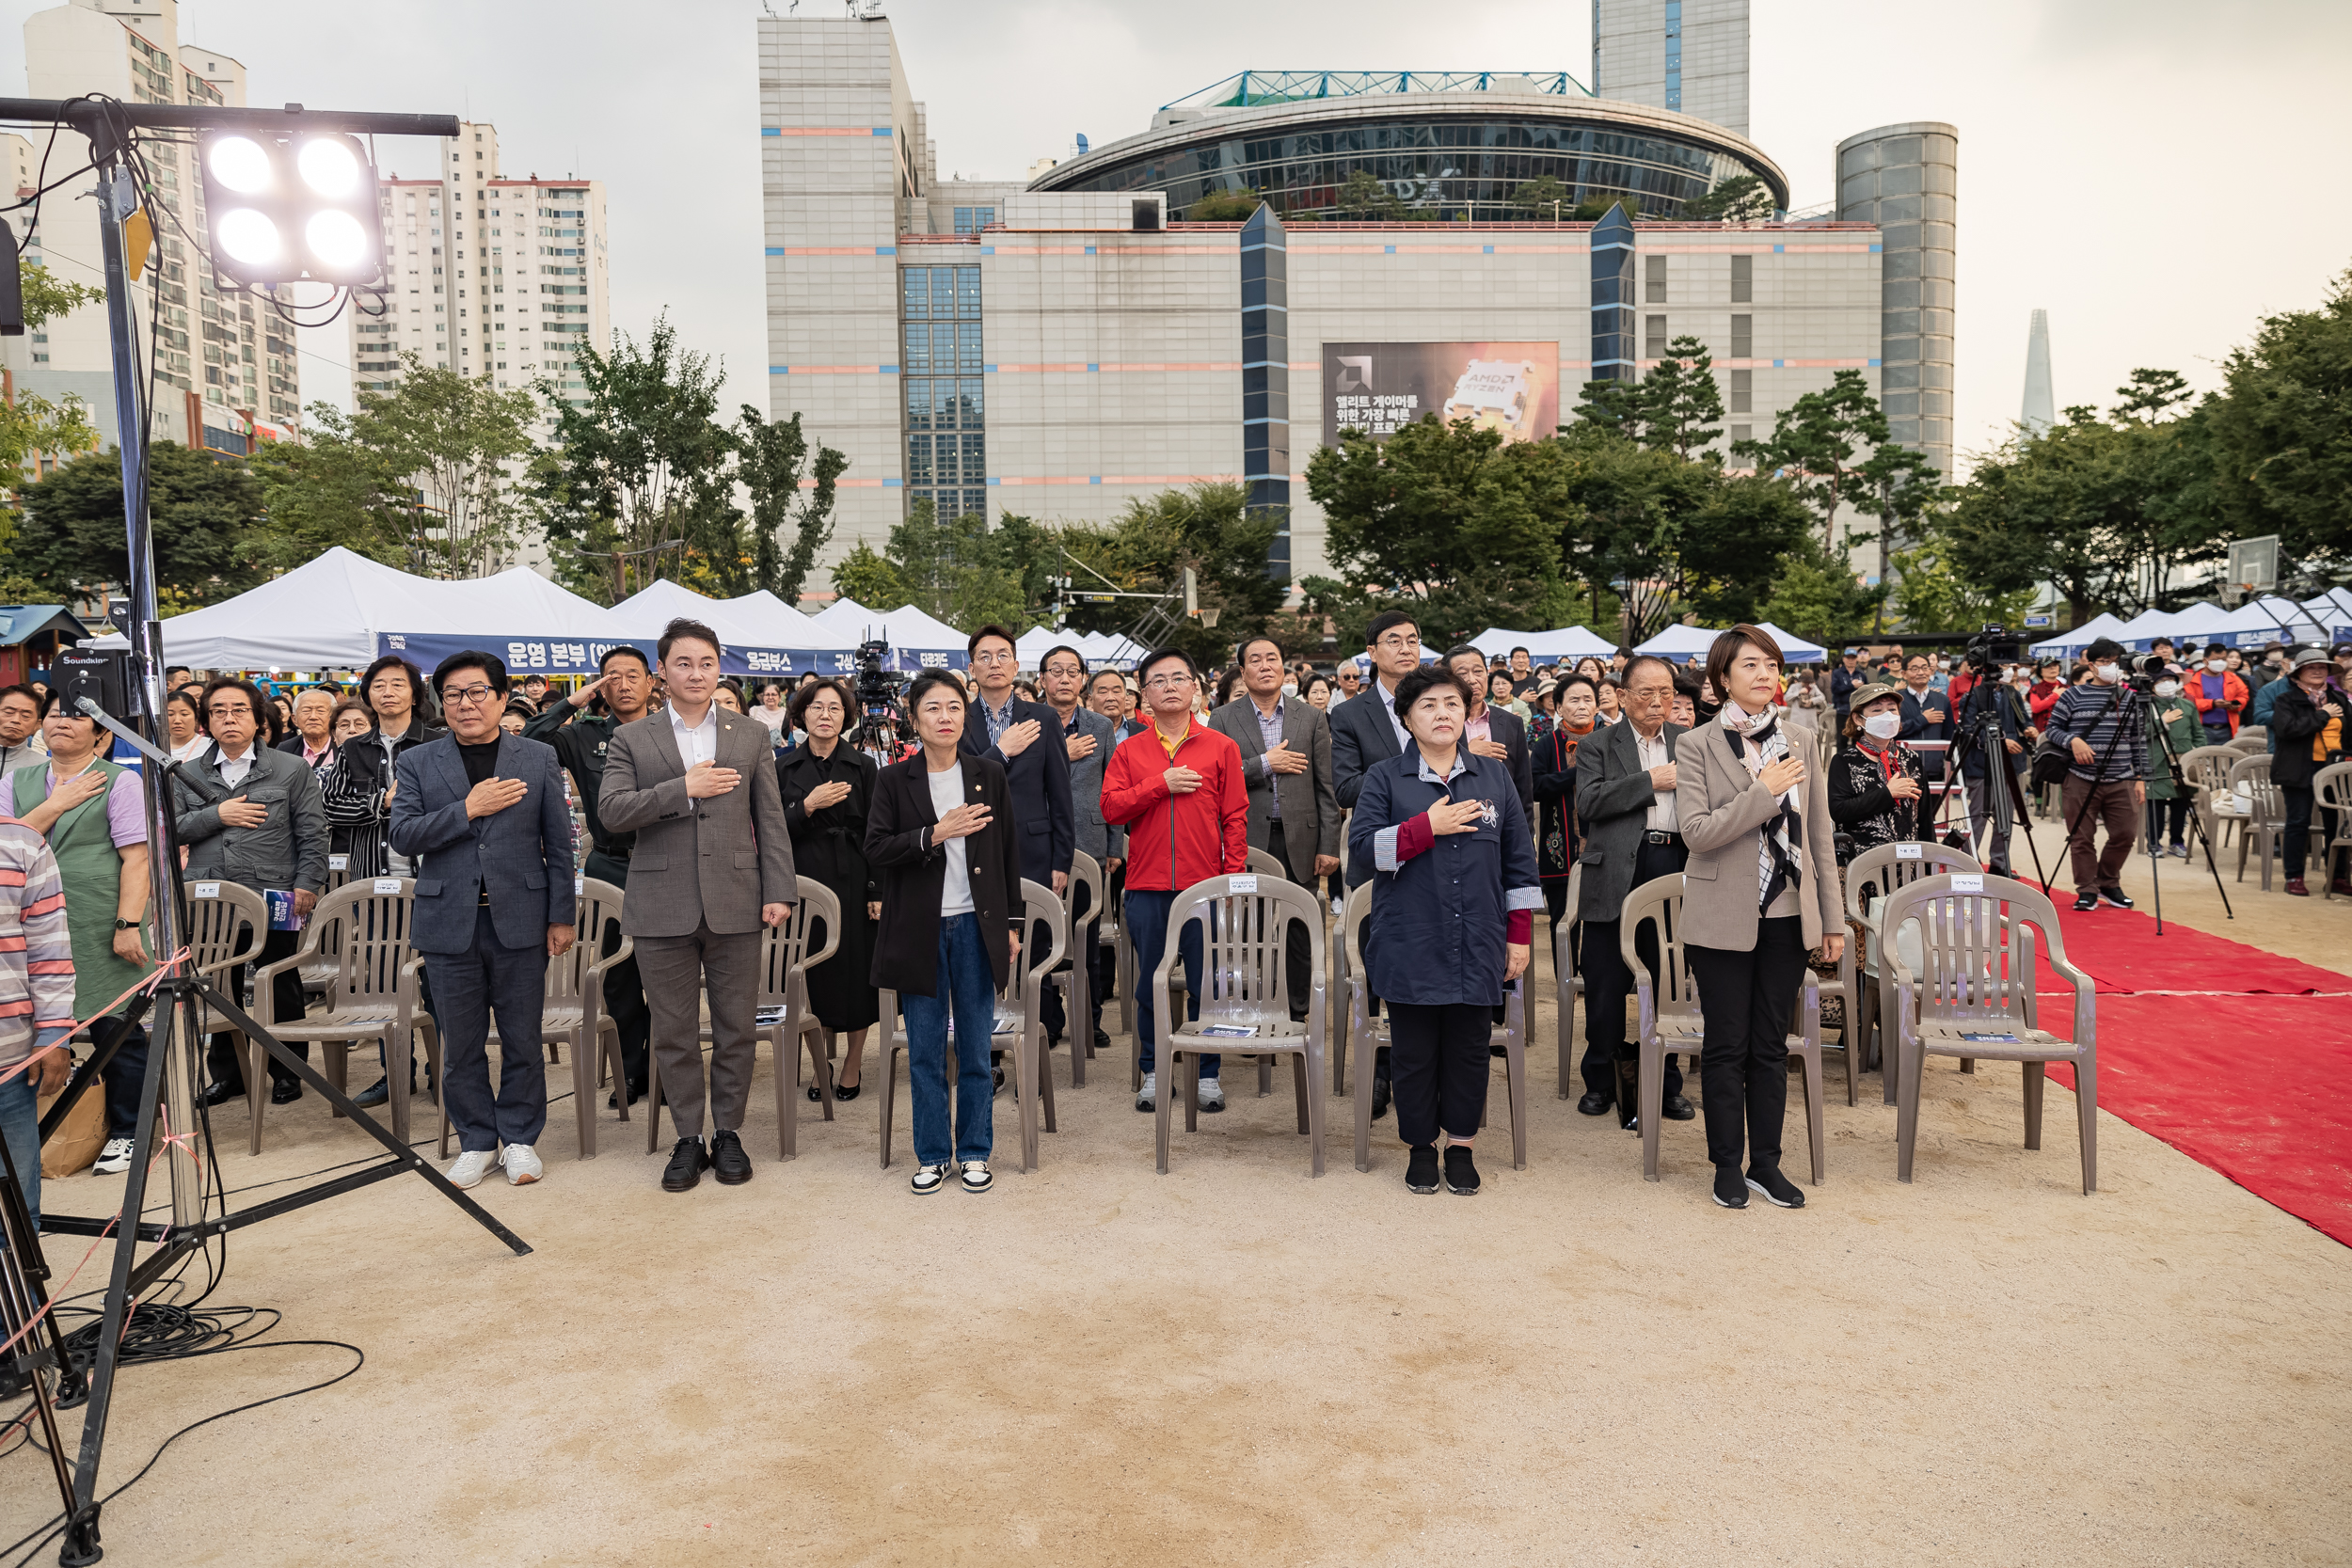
(1984, 736)
(182, 998)
(2181, 790)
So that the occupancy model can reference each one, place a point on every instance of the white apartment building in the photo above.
(226, 367)
(491, 276)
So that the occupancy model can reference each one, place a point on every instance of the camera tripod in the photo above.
(1983, 735)
(2135, 702)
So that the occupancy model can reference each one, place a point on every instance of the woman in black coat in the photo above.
(828, 788)
(941, 836)
(2307, 727)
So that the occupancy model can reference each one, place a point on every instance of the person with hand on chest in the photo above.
(828, 790)
(481, 814)
(1087, 738)
(100, 850)
(713, 865)
(941, 838)
(1369, 734)
(623, 686)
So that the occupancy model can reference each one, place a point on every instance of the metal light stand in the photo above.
(2196, 824)
(171, 1063)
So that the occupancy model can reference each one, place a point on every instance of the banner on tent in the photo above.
(547, 655)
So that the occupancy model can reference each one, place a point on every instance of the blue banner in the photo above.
(546, 656)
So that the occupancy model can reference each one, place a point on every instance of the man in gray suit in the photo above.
(1625, 796)
(1286, 762)
(1088, 740)
(713, 864)
(483, 816)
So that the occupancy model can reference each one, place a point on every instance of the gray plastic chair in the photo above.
(226, 924)
(1032, 1081)
(2207, 771)
(1567, 978)
(1671, 1020)
(372, 995)
(1245, 983)
(1075, 975)
(1863, 971)
(2332, 790)
(573, 1013)
(1968, 999)
(2262, 830)
(1367, 1034)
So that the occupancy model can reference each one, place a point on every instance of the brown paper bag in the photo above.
(75, 1144)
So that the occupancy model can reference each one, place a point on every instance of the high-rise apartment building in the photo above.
(497, 277)
(1688, 56)
(226, 371)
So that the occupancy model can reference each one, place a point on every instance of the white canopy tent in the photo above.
(921, 641)
(845, 621)
(2266, 620)
(2145, 628)
(1680, 641)
(759, 634)
(342, 610)
(1543, 647)
(2193, 623)
(2066, 642)
(2333, 611)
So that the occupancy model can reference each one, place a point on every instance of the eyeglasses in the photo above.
(239, 710)
(1166, 682)
(1397, 644)
(467, 695)
(1006, 656)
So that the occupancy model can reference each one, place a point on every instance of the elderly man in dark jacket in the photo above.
(1088, 740)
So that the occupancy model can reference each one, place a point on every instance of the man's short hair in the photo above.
(233, 683)
(1385, 621)
(1461, 649)
(623, 650)
(683, 626)
(1512, 654)
(1241, 655)
(1099, 676)
(1161, 656)
(990, 630)
(1418, 684)
(1062, 648)
(492, 667)
(37, 696)
(922, 685)
(2105, 648)
(171, 670)
(1640, 660)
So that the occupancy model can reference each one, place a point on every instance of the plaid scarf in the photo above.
(1777, 862)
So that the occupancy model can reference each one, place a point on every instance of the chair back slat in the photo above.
(1264, 864)
(375, 938)
(1039, 905)
(1082, 898)
(1245, 975)
(1884, 868)
(1977, 949)
(2255, 772)
(1658, 903)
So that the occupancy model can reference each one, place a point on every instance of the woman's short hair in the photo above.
(798, 707)
(1420, 683)
(1306, 687)
(1560, 688)
(343, 705)
(923, 685)
(1726, 647)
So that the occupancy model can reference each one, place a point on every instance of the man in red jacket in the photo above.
(1177, 789)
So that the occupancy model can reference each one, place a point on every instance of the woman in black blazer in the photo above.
(828, 790)
(941, 835)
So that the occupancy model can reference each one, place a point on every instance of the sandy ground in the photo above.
(1235, 1363)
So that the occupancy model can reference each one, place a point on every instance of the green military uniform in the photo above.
(581, 746)
(91, 868)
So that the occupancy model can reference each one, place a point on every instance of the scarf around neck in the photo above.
(1777, 861)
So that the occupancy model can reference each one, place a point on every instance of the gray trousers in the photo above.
(677, 971)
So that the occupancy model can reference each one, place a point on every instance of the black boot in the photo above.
(1630, 1095)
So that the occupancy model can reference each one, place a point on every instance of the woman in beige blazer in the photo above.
(1759, 891)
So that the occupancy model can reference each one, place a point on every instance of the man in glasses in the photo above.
(1179, 791)
(1366, 732)
(482, 813)
(248, 813)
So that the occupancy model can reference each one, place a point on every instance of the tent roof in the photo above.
(755, 620)
(1794, 649)
(909, 628)
(1561, 643)
(325, 612)
(1680, 641)
(2101, 624)
(2333, 609)
(845, 619)
(21, 622)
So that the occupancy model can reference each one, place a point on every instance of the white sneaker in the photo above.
(468, 1168)
(1212, 1095)
(522, 1165)
(976, 1176)
(114, 1159)
(1151, 1087)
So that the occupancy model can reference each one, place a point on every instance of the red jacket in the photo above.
(1174, 841)
(2232, 691)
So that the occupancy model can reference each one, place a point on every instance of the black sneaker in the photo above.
(1381, 1096)
(1730, 1191)
(1778, 1190)
(2115, 897)
(728, 1162)
(2086, 901)
(1420, 1171)
(687, 1161)
(1461, 1176)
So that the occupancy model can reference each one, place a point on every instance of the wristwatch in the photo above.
(121, 925)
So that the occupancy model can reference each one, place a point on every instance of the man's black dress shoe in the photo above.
(636, 1093)
(728, 1162)
(1379, 1096)
(285, 1091)
(375, 1094)
(1596, 1104)
(219, 1093)
(1102, 1039)
(1678, 1109)
(686, 1164)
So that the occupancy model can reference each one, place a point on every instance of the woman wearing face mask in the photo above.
(2219, 695)
(2173, 732)
(1874, 777)
(2307, 724)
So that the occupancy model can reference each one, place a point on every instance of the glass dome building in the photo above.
(1445, 145)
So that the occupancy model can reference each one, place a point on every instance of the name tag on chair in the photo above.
(339, 862)
(1910, 851)
(388, 885)
(1968, 881)
(1245, 883)
(204, 889)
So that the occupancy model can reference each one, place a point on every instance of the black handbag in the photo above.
(2054, 758)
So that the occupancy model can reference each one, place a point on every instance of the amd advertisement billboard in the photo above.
(1375, 388)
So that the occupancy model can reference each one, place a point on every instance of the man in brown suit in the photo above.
(713, 864)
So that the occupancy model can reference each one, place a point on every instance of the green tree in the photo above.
(1361, 197)
(1224, 206)
(772, 462)
(1679, 404)
(1210, 530)
(1449, 519)
(1931, 595)
(1595, 207)
(868, 576)
(1544, 199)
(1741, 199)
(2280, 430)
(1814, 595)
(30, 424)
(639, 474)
(331, 491)
(948, 568)
(204, 513)
(1814, 444)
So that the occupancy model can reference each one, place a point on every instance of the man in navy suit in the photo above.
(481, 814)
(1365, 730)
(1927, 716)
(1028, 739)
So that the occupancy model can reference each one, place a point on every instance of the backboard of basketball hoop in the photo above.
(2253, 568)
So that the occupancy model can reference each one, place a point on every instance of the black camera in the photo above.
(882, 722)
(1992, 647)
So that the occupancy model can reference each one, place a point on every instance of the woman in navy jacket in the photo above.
(1454, 892)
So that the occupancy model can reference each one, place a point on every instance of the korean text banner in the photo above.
(1375, 388)
(548, 656)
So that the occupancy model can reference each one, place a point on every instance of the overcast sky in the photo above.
(2153, 173)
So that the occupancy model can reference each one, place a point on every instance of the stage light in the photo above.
(239, 163)
(248, 238)
(288, 206)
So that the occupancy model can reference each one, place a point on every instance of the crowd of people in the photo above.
(1468, 796)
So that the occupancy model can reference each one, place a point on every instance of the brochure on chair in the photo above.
(767, 1016)
(1227, 1031)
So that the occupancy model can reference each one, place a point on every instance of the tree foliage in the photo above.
(1817, 445)
(772, 463)
(204, 512)
(1544, 200)
(2281, 433)
(1741, 199)
(30, 424)
(1225, 207)
(952, 569)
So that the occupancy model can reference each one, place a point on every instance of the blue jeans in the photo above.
(1147, 925)
(20, 1123)
(967, 984)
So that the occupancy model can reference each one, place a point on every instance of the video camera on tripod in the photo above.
(883, 728)
(1990, 648)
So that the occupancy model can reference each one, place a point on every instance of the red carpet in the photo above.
(2246, 1075)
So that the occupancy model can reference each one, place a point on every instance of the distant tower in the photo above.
(1688, 56)
(2041, 402)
